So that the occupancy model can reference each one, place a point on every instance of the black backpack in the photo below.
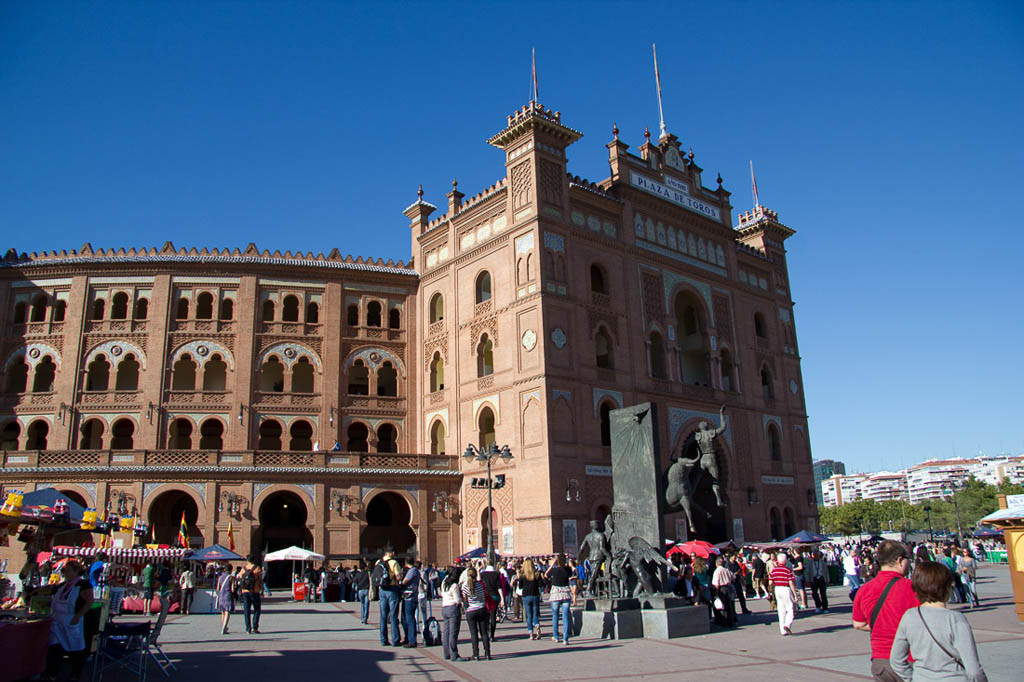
(432, 632)
(248, 581)
(381, 575)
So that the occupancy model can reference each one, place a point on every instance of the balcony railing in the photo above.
(211, 460)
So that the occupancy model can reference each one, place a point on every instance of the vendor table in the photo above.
(997, 556)
(204, 601)
(23, 647)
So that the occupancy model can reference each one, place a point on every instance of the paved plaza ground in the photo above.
(327, 642)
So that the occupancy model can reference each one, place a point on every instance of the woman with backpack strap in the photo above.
(941, 640)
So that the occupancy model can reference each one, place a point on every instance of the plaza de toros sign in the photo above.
(675, 191)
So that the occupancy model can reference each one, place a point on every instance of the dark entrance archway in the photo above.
(387, 526)
(282, 524)
(165, 518)
(713, 528)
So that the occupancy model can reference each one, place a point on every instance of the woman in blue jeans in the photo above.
(561, 595)
(529, 587)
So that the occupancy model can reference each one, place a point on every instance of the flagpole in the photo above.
(753, 185)
(536, 87)
(657, 80)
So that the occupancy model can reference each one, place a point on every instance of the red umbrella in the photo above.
(694, 548)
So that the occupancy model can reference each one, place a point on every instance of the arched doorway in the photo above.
(710, 520)
(165, 518)
(486, 526)
(282, 524)
(387, 526)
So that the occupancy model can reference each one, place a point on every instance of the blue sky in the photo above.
(887, 134)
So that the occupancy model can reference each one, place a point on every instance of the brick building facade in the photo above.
(204, 381)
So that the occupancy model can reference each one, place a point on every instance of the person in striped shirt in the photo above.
(476, 613)
(784, 585)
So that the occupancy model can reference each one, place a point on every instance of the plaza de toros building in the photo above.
(216, 382)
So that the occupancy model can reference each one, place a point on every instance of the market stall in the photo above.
(294, 554)
(123, 567)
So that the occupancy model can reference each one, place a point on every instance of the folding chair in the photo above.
(124, 645)
(154, 648)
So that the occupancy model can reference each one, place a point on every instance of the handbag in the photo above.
(719, 605)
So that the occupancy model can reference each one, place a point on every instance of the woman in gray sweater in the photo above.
(940, 641)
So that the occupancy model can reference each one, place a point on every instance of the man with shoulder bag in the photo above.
(386, 579)
(880, 604)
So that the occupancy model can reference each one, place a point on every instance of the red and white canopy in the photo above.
(129, 554)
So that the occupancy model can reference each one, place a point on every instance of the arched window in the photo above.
(312, 313)
(436, 308)
(215, 374)
(302, 376)
(788, 522)
(270, 435)
(395, 318)
(182, 313)
(184, 374)
(204, 306)
(598, 283)
(122, 435)
(127, 374)
(98, 377)
(37, 433)
(657, 351)
(59, 311)
(19, 313)
(373, 313)
(272, 376)
(387, 380)
(268, 311)
(728, 371)
(353, 315)
(38, 312)
(358, 379)
(485, 425)
(290, 309)
(437, 436)
(759, 326)
(603, 349)
(484, 357)
(227, 309)
(387, 438)
(774, 444)
(775, 519)
(91, 435)
(693, 344)
(17, 377)
(181, 435)
(9, 435)
(767, 389)
(141, 309)
(483, 287)
(605, 412)
(302, 436)
(211, 435)
(119, 306)
(98, 308)
(437, 373)
(358, 436)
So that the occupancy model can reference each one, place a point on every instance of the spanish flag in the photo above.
(231, 537)
(183, 533)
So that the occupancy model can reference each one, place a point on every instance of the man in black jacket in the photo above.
(492, 588)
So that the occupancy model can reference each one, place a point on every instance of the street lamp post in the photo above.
(928, 513)
(487, 456)
(952, 491)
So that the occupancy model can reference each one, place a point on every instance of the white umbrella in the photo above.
(294, 554)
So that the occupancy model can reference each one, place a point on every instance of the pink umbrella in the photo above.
(694, 548)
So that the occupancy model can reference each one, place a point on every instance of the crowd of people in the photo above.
(899, 595)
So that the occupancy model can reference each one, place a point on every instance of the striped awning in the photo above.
(124, 553)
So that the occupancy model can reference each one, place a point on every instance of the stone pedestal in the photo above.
(612, 624)
(669, 623)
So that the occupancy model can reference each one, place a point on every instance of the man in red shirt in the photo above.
(784, 584)
(881, 603)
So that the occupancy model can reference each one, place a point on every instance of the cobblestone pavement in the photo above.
(326, 641)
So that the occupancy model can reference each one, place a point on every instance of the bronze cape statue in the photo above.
(599, 553)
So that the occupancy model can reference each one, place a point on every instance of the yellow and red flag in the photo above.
(231, 537)
(183, 533)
